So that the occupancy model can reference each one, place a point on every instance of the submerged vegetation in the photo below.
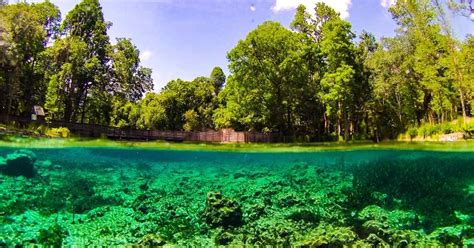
(317, 79)
(111, 197)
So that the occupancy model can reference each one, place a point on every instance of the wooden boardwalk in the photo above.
(95, 131)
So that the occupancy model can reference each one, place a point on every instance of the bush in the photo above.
(468, 129)
(42, 129)
(60, 132)
(413, 132)
(447, 128)
(428, 130)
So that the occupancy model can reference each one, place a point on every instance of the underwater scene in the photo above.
(74, 197)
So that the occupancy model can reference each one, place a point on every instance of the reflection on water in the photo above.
(81, 196)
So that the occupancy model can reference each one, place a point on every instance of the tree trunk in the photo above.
(463, 106)
(346, 125)
(288, 110)
(84, 107)
(69, 103)
(326, 124)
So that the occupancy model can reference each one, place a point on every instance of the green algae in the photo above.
(157, 197)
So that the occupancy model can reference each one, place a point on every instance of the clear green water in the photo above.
(113, 197)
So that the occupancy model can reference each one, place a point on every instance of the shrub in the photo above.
(447, 128)
(413, 132)
(60, 132)
(423, 130)
(468, 129)
(42, 129)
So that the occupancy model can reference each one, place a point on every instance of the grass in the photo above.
(31, 142)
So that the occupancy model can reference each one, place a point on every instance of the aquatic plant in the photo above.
(82, 196)
(304, 215)
(151, 240)
(224, 238)
(53, 236)
(221, 211)
(431, 186)
(329, 236)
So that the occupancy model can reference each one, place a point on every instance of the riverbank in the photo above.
(43, 142)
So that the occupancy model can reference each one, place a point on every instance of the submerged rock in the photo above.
(19, 163)
(221, 211)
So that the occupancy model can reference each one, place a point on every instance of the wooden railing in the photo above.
(93, 130)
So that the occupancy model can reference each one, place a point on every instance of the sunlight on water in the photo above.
(109, 197)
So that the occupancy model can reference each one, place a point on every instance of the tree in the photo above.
(68, 62)
(131, 80)
(150, 112)
(25, 30)
(417, 21)
(189, 104)
(363, 101)
(261, 84)
(310, 62)
(464, 7)
(218, 79)
(86, 33)
(339, 52)
(397, 97)
(467, 71)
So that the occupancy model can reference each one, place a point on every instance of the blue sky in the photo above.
(187, 38)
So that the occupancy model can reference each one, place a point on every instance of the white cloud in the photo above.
(387, 3)
(252, 8)
(145, 55)
(341, 6)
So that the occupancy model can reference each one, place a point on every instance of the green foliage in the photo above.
(132, 81)
(314, 82)
(25, 30)
(181, 105)
(218, 79)
(428, 130)
(90, 80)
(413, 132)
(468, 128)
(259, 94)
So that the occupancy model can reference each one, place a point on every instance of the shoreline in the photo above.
(55, 143)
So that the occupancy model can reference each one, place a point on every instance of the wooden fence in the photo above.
(92, 130)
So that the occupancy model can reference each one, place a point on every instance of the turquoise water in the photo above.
(113, 197)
